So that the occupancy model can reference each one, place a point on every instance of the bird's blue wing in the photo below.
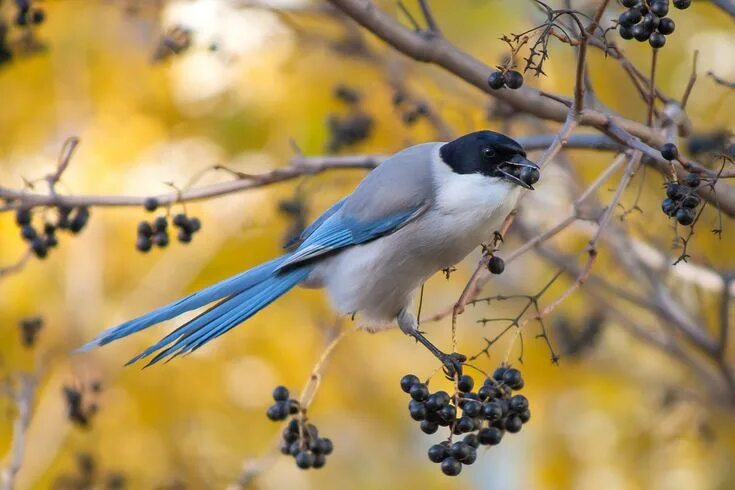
(316, 224)
(339, 231)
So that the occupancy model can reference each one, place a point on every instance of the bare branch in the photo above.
(439, 51)
(691, 82)
(23, 396)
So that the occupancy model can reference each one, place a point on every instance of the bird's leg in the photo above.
(452, 362)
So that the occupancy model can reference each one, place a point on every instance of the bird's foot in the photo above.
(452, 364)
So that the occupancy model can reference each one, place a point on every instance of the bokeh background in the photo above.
(246, 87)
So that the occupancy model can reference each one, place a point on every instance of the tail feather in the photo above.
(228, 288)
(223, 317)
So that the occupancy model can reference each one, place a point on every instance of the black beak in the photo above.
(520, 171)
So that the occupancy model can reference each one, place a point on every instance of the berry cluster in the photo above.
(300, 438)
(27, 15)
(411, 111)
(485, 414)
(351, 128)
(681, 199)
(645, 20)
(156, 232)
(71, 219)
(505, 78)
(81, 405)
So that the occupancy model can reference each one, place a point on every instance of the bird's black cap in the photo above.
(487, 153)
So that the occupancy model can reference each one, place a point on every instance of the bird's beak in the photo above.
(520, 171)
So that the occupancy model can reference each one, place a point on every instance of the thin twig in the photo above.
(691, 82)
(24, 395)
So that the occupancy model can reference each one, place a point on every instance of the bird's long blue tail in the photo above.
(242, 296)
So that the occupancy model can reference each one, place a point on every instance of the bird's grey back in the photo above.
(401, 183)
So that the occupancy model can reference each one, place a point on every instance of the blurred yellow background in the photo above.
(245, 89)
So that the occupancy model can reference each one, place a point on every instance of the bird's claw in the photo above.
(453, 364)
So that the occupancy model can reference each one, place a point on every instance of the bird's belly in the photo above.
(378, 279)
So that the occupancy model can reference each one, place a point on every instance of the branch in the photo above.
(24, 403)
(297, 167)
(437, 50)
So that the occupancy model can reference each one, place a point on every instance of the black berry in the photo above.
(143, 243)
(518, 403)
(460, 450)
(28, 232)
(657, 40)
(79, 220)
(180, 220)
(626, 32)
(465, 424)
(183, 236)
(513, 424)
(674, 191)
(640, 33)
(496, 80)
(685, 216)
(280, 394)
(490, 436)
(408, 381)
(499, 372)
(451, 467)
(417, 410)
(650, 22)
(496, 265)
(472, 408)
(22, 216)
(150, 204)
(492, 411)
(525, 416)
(659, 7)
(39, 247)
(666, 26)
(419, 392)
(437, 453)
(512, 377)
(692, 180)
(160, 239)
(145, 229)
(682, 4)
(305, 459)
(691, 201)
(513, 79)
(279, 411)
(160, 223)
(668, 206)
(319, 461)
(465, 383)
(428, 427)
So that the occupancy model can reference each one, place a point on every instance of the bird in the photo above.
(422, 210)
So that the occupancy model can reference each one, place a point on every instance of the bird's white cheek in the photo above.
(471, 193)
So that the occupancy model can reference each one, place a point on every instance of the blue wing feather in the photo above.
(338, 232)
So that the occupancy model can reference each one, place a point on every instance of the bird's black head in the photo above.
(491, 154)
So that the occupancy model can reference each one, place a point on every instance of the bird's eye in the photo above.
(488, 152)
